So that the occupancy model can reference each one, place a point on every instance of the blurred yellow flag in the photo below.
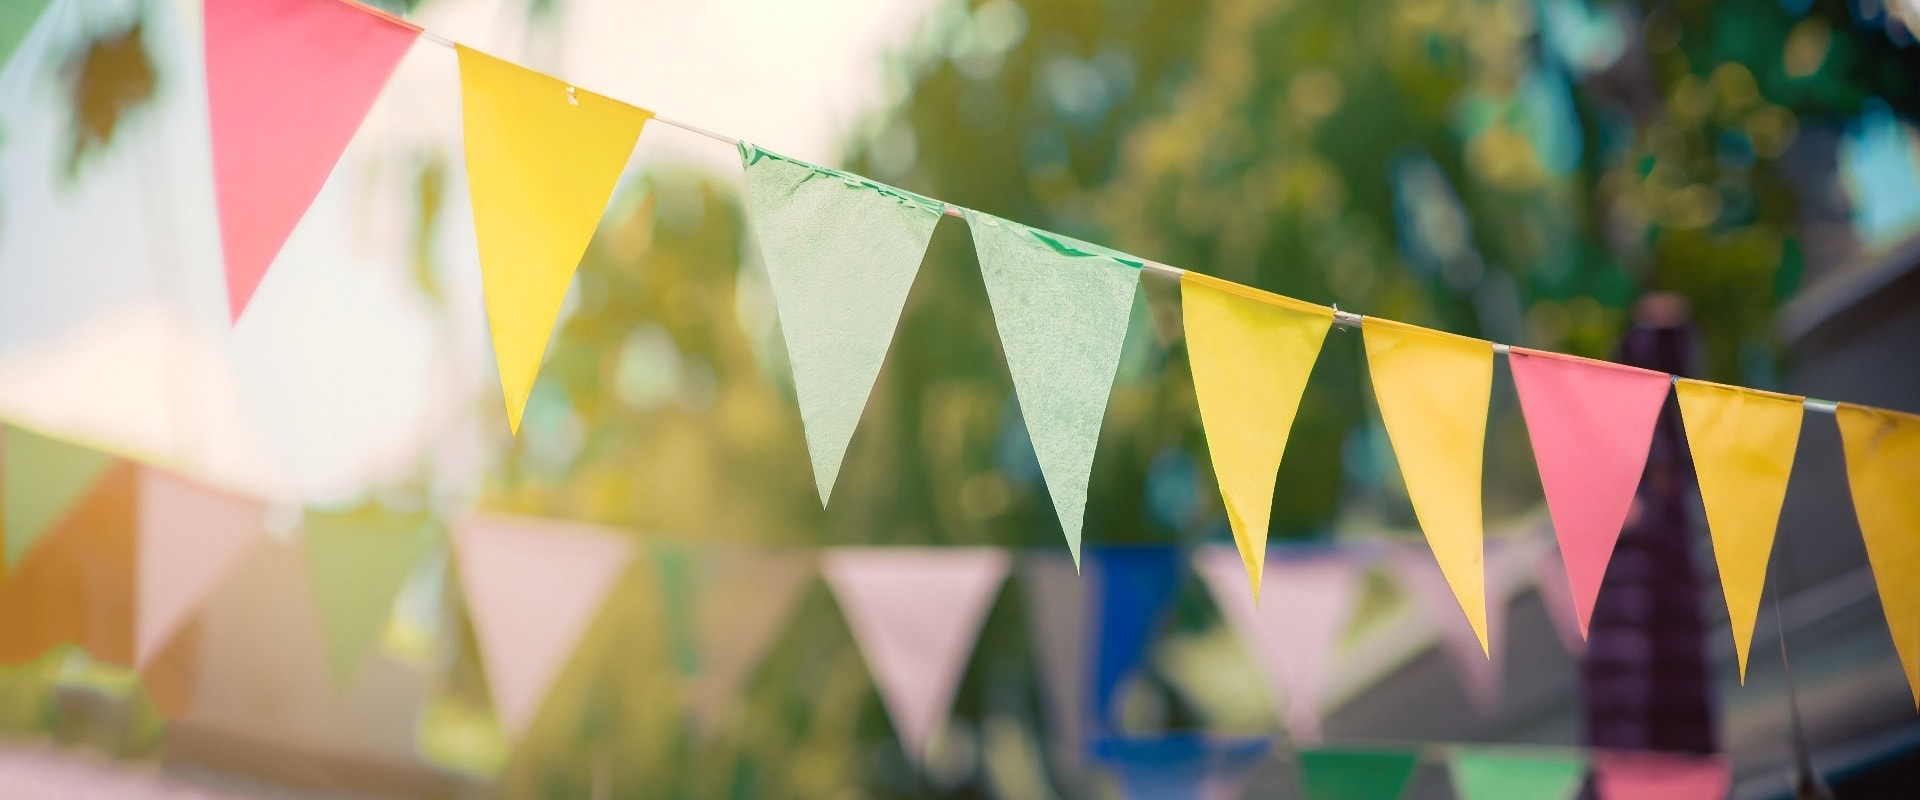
(1433, 390)
(542, 161)
(1883, 461)
(1743, 442)
(1251, 353)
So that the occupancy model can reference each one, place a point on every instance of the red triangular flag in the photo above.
(288, 82)
(1591, 423)
(1622, 775)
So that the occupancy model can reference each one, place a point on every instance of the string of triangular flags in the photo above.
(289, 81)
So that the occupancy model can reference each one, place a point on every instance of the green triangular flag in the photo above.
(359, 561)
(841, 252)
(1356, 774)
(1494, 775)
(1062, 307)
(16, 19)
(43, 478)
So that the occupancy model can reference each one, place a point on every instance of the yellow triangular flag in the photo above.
(542, 161)
(1742, 442)
(1433, 390)
(1883, 460)
(1251, 353)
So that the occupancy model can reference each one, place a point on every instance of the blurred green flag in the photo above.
(16, 18)
(1493, 775)
(359, 560)
(41, 478)
(1356, 774)
(841, 252)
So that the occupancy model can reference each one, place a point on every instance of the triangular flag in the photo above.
(1743, 443)
(1356, 774)
(79, 585)
(359, 560)
(16, 19)
(725, 608)
(532, 588)
(1062, 307)
(915, 613)
(1660, 776)
(190, 538)
(1294, 636)
(841, 252)
(288, 82)
(1479, 666)
(1134, 587)
(1251, 353)
(1488, 774)
(1550, 578)
(1433, 390)
(1058, 623)
(542, 161)
(40, 479)
(1179, 767)
(1883, 460)
(1591, 423)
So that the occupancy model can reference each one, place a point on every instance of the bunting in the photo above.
(41, 479)
(16, 19)
(190, 538)
(1433, 389)
(532, 589)
(542, 161)
(1883, 460)
(1059, 630)
(1661, 776)
(1061, 306)
(1134, 588)
(79, 585)
(1183, 767)
(360, 560)
(1489, 774)
(1479, 666)
(1743, 443)
(841, 253)
(1550, 577)
(915, 613)
(1356, 774)
(725, 608)
(1251, 353)
(288, 83)
(1294, 638)
(1591, 423)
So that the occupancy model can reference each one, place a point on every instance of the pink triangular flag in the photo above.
(190, 537)
(1480, 670)
(288, 82)
(532, 587)
(1591, 423)
(741, 600)
(915, 613)
(1056, 601)
(1294, 633)
(1661, 776)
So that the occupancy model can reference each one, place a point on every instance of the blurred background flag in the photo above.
(360, 558)
(190, 538)
(1480, 668)
(725, 606)
(16, 18)
(1883, 463)
(1637, 775)
(1356, 774)
(1293, 637)
(841, 253)
(79, 586)
(1134, 587)
(1183, 766)
(1492, 773)
(1059, 628)
(1743, 443)
(1550, 576)
(41, 478)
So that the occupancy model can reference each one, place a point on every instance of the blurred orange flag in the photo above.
(1743, 443)
(542, 161)
(1251, 353)
(1433, 390)
(1883, 462)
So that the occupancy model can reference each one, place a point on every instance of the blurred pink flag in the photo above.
(740, 601)
(1661, 776)
(190, 537)
(288, 82)
(532, 587)
(1058, 622)
(1294, 633)
(915, 612)
(1507, 565)
(1550, 577)
(1591, 423)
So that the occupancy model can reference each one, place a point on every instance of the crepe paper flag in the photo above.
(1134, 587)
(190, 538)
(288, 83)
(1180, 767)
(1591, 423)
(1356, 774)
(725, 608)
(542, 161)
(1294, 637)
(79, 585)
(1251, 353)
(841, 253)
(1433, 389)
(1550, 577)
(1743, 443)
(1660, 776)
(1061, 306)
(1883, 459)
(915, 613)
(1057, 603)
(41, 478)
(16, 19)
(532, 588)
(1491, 774)
(359, 561)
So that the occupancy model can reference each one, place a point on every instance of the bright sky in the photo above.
(112, 314)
